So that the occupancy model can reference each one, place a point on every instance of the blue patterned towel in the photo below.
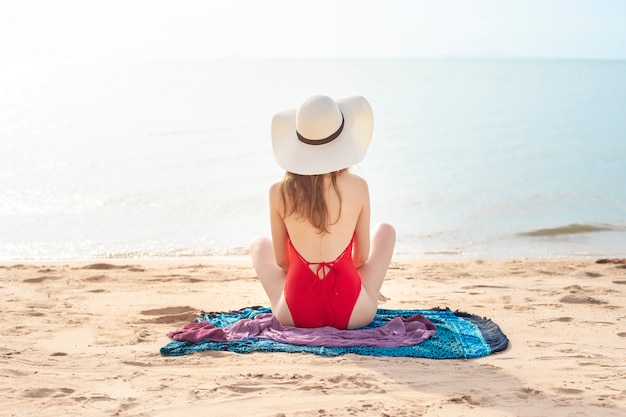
(459, 335)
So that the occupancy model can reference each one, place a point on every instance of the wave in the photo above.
(570, 229)
(175, 253)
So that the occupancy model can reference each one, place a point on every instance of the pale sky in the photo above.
(113, 29)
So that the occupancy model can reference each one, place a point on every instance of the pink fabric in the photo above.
(397, 332)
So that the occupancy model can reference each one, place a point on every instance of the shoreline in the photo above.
(82, 337)
(432, 255)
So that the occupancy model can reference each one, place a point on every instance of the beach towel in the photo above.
(435, 334)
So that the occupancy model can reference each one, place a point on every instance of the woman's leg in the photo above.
(373, 273)
(272, 277)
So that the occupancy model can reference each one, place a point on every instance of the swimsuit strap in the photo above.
(323, 268)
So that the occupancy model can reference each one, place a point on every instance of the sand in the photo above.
(83, 338)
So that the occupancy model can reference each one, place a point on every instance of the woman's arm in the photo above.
(279, 231)
(361, 251)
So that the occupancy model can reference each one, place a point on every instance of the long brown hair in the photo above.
(304, 196)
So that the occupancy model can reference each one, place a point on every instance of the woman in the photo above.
(320, 268)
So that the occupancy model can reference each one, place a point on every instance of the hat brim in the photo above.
(346, 150)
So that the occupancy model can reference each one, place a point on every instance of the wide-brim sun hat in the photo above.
(322, 135)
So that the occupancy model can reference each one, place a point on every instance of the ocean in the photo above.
(472, 159)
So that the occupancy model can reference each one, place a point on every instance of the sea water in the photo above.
(469, 158)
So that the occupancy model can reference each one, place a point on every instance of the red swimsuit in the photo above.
(325, 297)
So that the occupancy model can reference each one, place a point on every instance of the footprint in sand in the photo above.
(577, 299)
(465, 399)
(571, 391)
(105, 266)
(576, 296)
(171, 314)
(516, 307)
(557, 319)
(47, 392)
(40, 279)
(97, 278)
(621, 261)
(526, 393)
(563, 319)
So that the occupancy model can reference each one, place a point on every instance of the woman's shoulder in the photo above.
(275, 192)
(355, 182)
(275, 187)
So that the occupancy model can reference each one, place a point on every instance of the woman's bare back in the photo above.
(346, 217)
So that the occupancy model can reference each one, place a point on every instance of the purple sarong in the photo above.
(399, 331)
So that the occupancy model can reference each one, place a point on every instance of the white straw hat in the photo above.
(322, 135)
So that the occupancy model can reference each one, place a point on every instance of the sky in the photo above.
(146, 29)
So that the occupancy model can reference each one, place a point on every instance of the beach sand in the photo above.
(83, 338)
